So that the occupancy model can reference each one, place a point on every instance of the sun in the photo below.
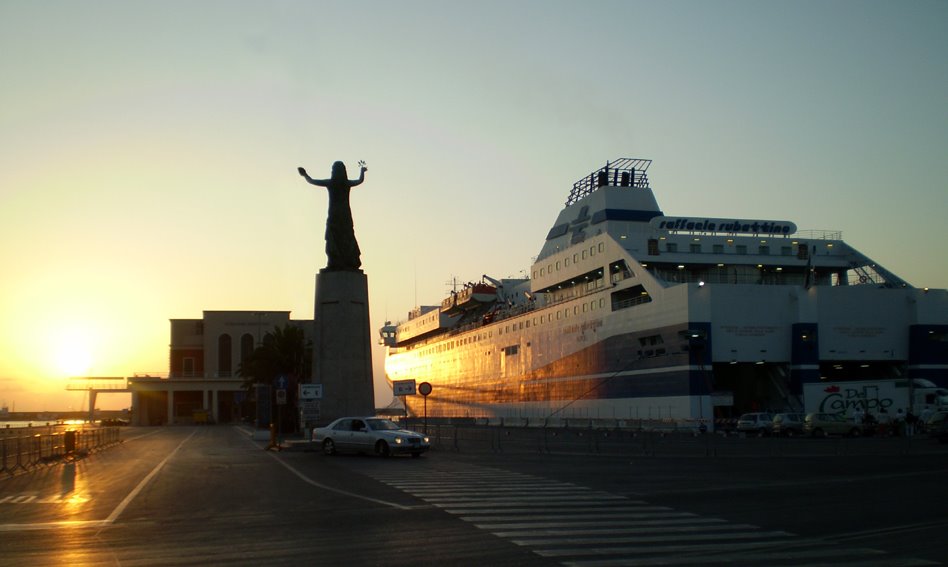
(73, 355)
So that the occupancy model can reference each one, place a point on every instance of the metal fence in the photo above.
(29, 447)
(652, 442)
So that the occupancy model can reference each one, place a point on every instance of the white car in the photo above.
(369, 435)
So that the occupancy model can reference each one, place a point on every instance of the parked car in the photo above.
(939, 430)
(759, 423)
(789, 424)
(935, 420)
(369, 435)
(823, 424)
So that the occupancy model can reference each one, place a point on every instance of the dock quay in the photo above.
(185, 495)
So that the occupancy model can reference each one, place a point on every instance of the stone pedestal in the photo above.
(342, 347)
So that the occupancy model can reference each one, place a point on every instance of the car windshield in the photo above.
(382, 424)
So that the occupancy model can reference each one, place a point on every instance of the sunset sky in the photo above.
(148, 150)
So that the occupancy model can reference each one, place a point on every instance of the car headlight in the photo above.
(398, 440)
(426, 440)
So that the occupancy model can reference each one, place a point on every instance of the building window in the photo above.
(246, 346)
(224, 355)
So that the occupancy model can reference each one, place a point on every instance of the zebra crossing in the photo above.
(577, 526)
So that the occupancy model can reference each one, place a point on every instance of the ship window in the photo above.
(549, 269)
(558, 314)
(528, 323)
(653, 247)
(557, 265)
(671, 247)
(592, 251)
(584, 254)
(601, 247)
(541, 271)
(584, 307)
(786, 251)
(696, 249)
(742, 249)
(566, 261)
(718, 248)
(575, 258)
(602, 303)
(765, 250)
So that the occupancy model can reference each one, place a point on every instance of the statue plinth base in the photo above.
(342, 347)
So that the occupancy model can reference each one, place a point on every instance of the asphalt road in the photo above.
(212, 496)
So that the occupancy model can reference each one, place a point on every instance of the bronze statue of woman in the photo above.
(341, 246)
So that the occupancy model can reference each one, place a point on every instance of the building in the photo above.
(204, 356)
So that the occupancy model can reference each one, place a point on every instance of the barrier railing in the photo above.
(28, 447)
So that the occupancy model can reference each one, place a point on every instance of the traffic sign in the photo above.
(424, 388)
(281, 382)
(403, 387)
(311, 391)
(281, 397)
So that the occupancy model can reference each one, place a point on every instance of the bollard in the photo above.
(273, 438)
(69, 441)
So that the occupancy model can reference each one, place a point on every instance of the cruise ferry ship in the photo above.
(633, 314)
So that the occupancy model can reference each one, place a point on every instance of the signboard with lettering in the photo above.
(729, 226)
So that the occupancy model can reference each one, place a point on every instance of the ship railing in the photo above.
(637, 300)
(819, 234)
(859, 275)
(624, 172)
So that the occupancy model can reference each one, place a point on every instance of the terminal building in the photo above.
(204, 357)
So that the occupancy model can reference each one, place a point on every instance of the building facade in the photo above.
(202, 384)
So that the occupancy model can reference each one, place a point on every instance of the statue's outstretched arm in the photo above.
(319, 182)
(361, 178)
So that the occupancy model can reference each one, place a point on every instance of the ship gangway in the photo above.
(94, 385)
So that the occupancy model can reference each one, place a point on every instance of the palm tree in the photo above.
(284, 352)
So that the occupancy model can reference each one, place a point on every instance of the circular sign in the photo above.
(424, 388)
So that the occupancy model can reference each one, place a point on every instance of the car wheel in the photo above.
(381, 449)
(855, 432)
(791, 433)
(329, 447)
(762, 432)
(818, 432)
(415, 455)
